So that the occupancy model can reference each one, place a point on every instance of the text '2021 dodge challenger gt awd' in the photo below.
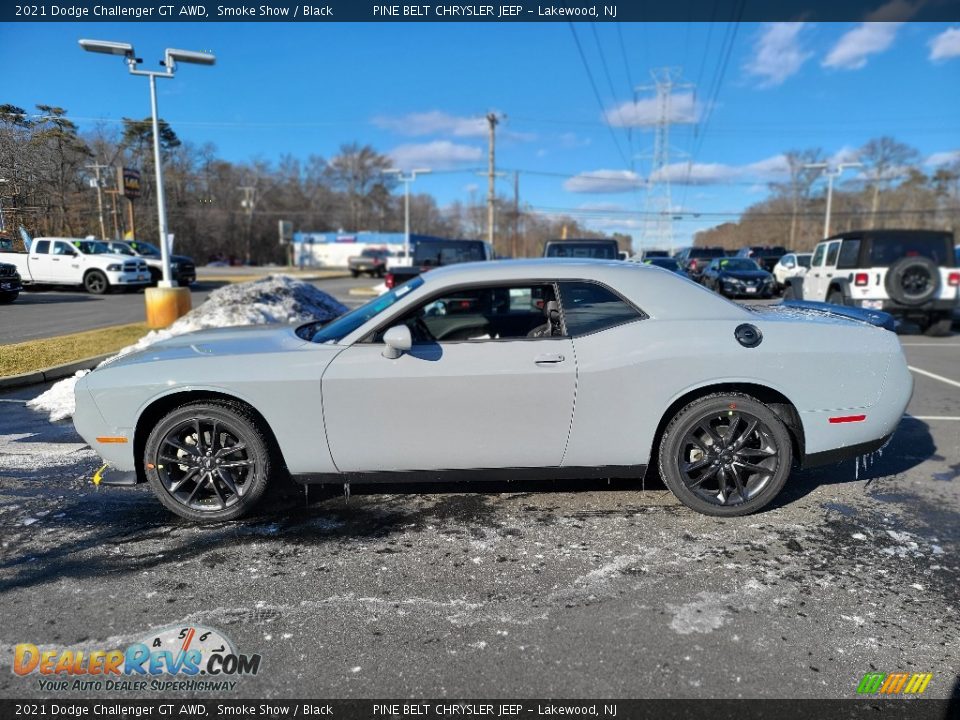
(503, 370)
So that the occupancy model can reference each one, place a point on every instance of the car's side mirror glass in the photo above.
(397, 340)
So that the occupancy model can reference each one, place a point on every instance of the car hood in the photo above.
(217, 342)
(745, 274)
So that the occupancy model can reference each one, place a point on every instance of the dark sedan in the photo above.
(738, 277)
(10, 286)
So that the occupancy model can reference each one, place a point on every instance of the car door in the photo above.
(474, 391)
(64, 262)
(42, 267)
(812, 288)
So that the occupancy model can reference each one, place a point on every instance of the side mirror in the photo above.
(397, 341)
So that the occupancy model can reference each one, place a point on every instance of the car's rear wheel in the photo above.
(95, 282)
(725, 454)
(208, 461)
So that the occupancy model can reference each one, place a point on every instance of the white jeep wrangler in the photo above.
(910, 274)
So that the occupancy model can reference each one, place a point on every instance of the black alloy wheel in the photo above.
(95, 282)
(208, 461)
(725, 455)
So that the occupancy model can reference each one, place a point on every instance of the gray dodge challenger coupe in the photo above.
(503, 370)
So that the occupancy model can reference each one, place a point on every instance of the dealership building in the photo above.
(333, 249)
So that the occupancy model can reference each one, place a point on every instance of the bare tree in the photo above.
(885, 159)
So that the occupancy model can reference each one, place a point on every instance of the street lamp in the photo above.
(406, 180)
(171, 57)
(830, 175)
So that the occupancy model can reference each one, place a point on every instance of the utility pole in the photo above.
(658, 214)
(97, 167)
(830, 175)
(492, 119)
(516, 214)
(248, 204)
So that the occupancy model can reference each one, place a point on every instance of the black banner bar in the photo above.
(472, 11)
(873, 709)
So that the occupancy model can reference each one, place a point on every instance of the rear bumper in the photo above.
(831, 457)
(900, 310)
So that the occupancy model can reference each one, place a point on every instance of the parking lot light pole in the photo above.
(830, 175)
(171, 57)
(406, 180)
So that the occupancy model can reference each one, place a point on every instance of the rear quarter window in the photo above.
(41, 247)
(849, 257)
(590, 307)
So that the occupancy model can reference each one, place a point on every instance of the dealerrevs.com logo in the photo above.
(175, 658)
(894, 683)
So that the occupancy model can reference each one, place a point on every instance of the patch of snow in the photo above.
(703, 615)
(273, 299)
(859, 536)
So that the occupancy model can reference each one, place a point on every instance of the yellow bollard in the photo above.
(165, 305)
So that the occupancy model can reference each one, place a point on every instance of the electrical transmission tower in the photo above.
(658, 209)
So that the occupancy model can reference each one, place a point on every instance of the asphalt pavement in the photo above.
(50, 312)
(560, 589)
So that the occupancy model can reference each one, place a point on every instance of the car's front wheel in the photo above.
(725, 454)
(208, 461)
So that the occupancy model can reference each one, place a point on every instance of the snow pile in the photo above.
(273, 299)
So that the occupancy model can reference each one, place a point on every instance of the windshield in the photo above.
(441, 253)
(91, 247)
(668, 263)
(737, 265)
(145, 248)
(338, 329)
(375, 253)
(601, 251)
(121, 249)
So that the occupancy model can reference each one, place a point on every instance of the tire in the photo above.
(790, 293)
(939, 327)
(210, 499)
(835, 298)
(913, 280)
(702, 470)
(96, 283)
(7, 298)
(155, 277)
(354, 273)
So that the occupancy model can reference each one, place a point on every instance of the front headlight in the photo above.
(114, 268)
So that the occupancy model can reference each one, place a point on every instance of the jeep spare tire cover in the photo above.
(913, 280)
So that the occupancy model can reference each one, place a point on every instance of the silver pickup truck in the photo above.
(69, 261)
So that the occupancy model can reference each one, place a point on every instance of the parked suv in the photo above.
(695, 259)
(766, 256)
(181, 267)
(911, 274)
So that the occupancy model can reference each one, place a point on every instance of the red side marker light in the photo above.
(847, 419)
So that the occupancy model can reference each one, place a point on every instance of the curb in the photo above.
(56, 372)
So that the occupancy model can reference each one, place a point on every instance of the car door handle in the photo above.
(55, 259)
(549, 359)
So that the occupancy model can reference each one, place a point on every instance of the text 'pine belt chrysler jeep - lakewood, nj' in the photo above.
(911, 274)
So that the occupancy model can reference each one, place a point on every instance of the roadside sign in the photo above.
(131, 183)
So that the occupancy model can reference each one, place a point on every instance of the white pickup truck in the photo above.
(69, 261)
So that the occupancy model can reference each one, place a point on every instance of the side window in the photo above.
(61, 248)
(849, 255)
(818, 255)
(832, 251)
(503, 312)
(589, 307)
(41, 247)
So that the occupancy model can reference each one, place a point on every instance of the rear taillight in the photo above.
(389, 280)
(953, 279)
(861, 279)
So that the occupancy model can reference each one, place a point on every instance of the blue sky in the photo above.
(418, 91)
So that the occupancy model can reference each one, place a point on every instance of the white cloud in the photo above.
(777, 53)
(681, 173)
(845, 154)
(855, 46)
(645, 112)
(434, 122)
(942, 158)
(437, 155)
(946, 45)
(603, 181)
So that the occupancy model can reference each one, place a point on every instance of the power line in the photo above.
(596, 93)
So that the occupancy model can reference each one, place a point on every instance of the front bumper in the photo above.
(128, 279)
(10, 284)
(90, 425)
